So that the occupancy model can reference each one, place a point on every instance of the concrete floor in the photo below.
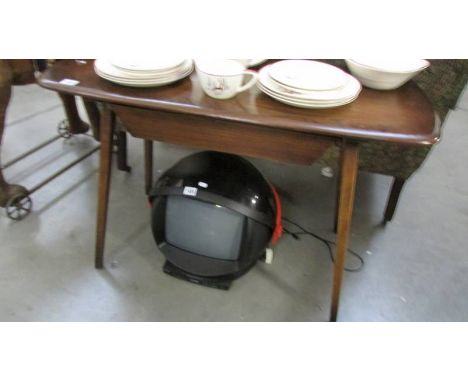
(415, 267)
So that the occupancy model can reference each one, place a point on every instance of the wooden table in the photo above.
(251, 124)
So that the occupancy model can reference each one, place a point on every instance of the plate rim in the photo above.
(333, 68)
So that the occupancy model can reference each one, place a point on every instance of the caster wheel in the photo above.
(18, 207)
(63, 129)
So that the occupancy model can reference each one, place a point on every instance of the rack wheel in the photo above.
(63, 129)
(18, 206)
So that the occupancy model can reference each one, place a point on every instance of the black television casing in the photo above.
(226, 180)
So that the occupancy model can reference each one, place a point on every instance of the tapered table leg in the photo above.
(148, 166)
(106, 138)
(337, 198)
(122, 163)
(348, 175)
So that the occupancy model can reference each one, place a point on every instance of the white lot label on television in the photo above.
(190, 191)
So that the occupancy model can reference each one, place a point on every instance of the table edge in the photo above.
(327, 131)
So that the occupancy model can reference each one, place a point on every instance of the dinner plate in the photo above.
(308, 104)
(308, 75)
(107, 67)
(314, 106)
(151, 65)
(352, 88)
(143, 82)
(151, 74)
(295, 90)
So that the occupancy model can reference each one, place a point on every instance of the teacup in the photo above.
(223, 79)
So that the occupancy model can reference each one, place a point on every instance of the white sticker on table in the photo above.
(69, 82)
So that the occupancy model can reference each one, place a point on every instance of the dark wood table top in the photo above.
(402, 116)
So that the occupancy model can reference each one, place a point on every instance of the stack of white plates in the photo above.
(308, 84)
(141, 73)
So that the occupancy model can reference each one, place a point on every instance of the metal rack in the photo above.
(20, 204)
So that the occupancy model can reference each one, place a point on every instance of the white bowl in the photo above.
(385, 74)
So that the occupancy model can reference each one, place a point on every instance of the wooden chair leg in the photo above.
(392, 202)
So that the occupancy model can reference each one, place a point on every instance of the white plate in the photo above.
(152, 65)
(305, 102)
(150, 74)
(142, 84)
(351, 89)
(303, 99)
(312, 106)
(146, 82)
(294, 90)
(309, 104)
(106, 67)
(308, 75)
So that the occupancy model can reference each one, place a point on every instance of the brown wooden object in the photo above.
(106, 137)
(22, 72)
(251, 124)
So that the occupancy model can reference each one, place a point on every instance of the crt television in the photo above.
(213, 215)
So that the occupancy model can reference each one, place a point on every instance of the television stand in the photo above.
(222, 283)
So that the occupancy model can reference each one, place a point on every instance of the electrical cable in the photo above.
(328, 244)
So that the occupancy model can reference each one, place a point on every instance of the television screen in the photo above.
(203, 228)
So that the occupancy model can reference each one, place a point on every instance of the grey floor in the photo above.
(415, 268)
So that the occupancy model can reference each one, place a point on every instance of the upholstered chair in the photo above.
(443, 83)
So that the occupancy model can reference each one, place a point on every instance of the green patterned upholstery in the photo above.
(443, 83)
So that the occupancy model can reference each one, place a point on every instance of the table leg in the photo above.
(348, 175)
(337, 199)
(148, 166)
(93, 116)
(122, 163)
(77, 126)
(107, 127)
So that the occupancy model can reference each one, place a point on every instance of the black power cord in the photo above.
(328, 244)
